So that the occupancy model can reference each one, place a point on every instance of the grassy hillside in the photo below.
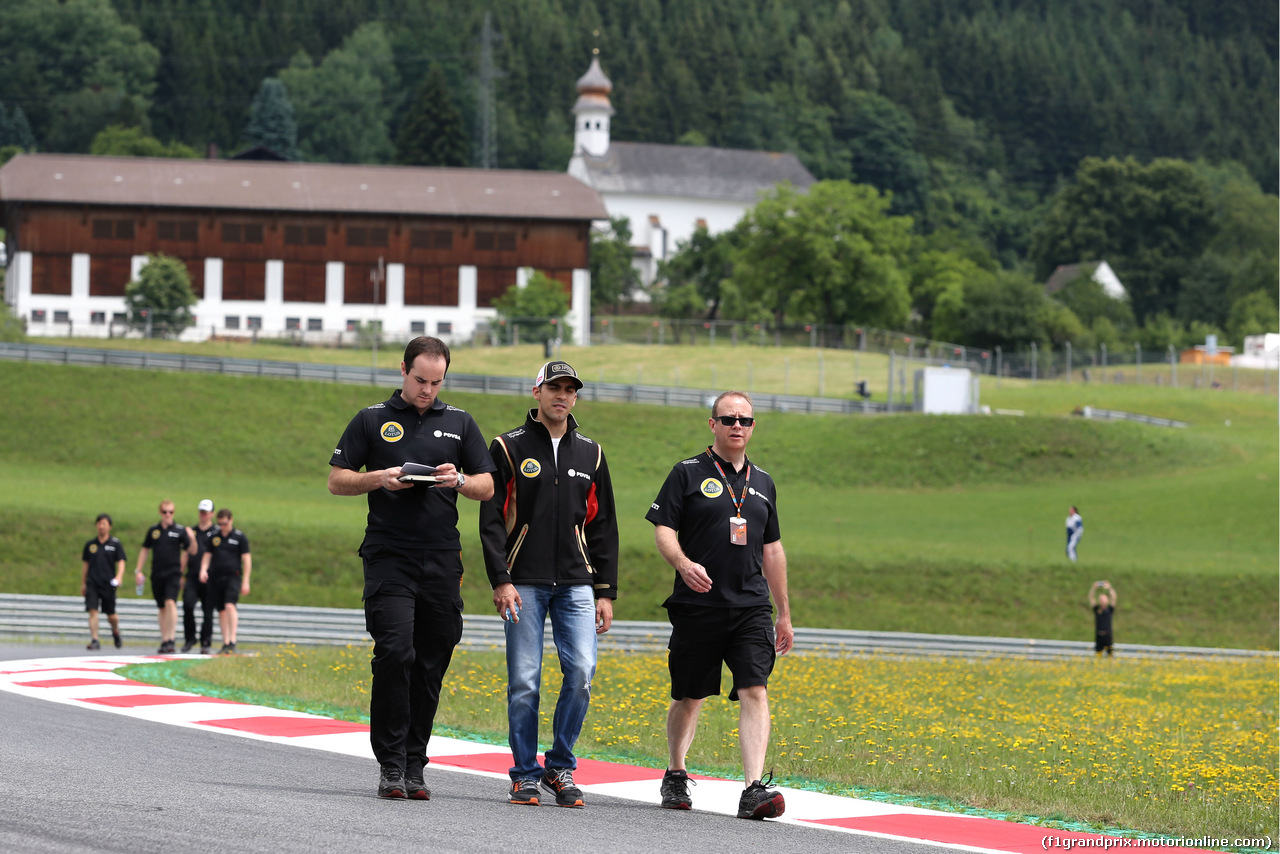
(902, 523)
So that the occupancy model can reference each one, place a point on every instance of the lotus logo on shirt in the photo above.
(217, 541)
(93, 549)
(155, 535)
(391, 432)
(711, 488)
(530, 468)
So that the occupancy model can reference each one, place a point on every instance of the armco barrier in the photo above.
(351, 375)
(62, 617)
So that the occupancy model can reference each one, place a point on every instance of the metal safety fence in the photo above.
(63, 617)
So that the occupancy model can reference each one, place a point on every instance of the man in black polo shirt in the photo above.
(716, 523)
(411, 552)
(196, 592)
(104, 559)
(167, 542)
(226, 567)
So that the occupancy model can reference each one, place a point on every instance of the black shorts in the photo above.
(100, 597)
(165, 587)
(1102, 643)
(703, 637)
(224, 590)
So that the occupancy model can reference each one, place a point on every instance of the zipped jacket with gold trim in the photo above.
(551, 520)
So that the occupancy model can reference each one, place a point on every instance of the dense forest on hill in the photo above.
(1016, 135)
(862, 89)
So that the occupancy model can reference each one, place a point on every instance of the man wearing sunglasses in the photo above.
(716, 523)
(166, 542)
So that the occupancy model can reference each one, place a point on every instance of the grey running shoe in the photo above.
(759, 801)
(415, 786)
(675, 790)
(559, 781)
(391, 783)
(93, 644)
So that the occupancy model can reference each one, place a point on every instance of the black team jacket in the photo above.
(550, 522)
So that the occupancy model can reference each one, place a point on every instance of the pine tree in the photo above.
(431, 131)
(271, 122)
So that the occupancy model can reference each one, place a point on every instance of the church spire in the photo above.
(592, 111)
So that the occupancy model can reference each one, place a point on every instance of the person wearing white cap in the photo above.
(195, 592)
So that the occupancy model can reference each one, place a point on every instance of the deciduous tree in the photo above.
(159, 301)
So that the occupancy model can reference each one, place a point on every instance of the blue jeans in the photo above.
(573, 628)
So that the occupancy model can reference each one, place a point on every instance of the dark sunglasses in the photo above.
(728, 420)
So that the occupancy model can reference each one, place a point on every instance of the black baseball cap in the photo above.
(557, 371)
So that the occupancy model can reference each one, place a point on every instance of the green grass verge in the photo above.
(908, 523)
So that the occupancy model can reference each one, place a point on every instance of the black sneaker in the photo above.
(415, 786)
(675, 790)
(115, 638)
(524, 792)
(166, 647)
(205, 650)
(759, 801)
(93, 644)
(227, 649)
(186, 647)
(559, 781)
(391, 782)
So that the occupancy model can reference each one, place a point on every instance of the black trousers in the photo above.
(192, 594)
(413, 611)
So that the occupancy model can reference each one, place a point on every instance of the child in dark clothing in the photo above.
(1102, 598)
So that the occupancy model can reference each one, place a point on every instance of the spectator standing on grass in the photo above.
(1102, 599)
(166, 542)
(104, 560)
(225, 567)
(1075, 530)
(411, 552)
(196, 592)
(716, 523)
(550, 537)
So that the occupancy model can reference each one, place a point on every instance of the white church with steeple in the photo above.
(667, 191)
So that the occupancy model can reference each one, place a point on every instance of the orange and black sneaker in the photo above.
(524, 792)
(559, 781)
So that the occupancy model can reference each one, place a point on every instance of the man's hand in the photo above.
(390, 479)
(204, 576)
(505, 596)
(448, 474)
(244, 587)
(786, 636)
(604, 614)
(695, 577)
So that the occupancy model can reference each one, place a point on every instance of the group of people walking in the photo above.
(208, 563)
(549, 535)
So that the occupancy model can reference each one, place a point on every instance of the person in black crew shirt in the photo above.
(716, 523)
(167, 542)
(196, 592)
(411, 552)
(226, 567)
(104, 560)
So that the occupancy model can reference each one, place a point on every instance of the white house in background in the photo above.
(1260, 351)
(667, 191)
(1099, 271)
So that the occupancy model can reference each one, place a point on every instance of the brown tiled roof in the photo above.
(312, 187)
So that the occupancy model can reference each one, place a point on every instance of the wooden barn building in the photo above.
(279, 248)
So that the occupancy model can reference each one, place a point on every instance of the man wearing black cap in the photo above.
(550, 537)
(103, 558)
(412, 552)
(196, 592)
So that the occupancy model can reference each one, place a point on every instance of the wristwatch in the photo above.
(462, 481)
